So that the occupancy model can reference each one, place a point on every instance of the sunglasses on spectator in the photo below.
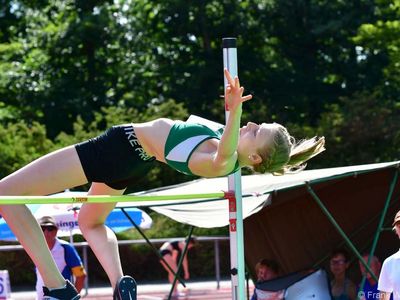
(338, 262)
(48, 228)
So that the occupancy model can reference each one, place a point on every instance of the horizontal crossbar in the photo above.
(10, 200)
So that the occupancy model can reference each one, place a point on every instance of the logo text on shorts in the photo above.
(131, 136)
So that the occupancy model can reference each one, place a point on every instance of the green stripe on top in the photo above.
(183, 140)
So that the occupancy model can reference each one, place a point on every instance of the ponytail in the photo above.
(305, 150)
(285, 155)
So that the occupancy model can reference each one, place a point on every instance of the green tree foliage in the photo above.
(364, 126)
(309, 58)
(74, 58)
(317, 66)
(378, 45)
(20, 144)
(71, 68)
(362, 129)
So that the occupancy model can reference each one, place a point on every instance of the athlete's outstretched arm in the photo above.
(226, 154)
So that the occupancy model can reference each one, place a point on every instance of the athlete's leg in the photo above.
(25, 227)
(101, 239)
(169, 259)
(51, 173)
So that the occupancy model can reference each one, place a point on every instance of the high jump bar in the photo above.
(11, 200)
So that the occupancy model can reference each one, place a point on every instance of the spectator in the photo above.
(67, 259)
(389, 280)
(342, 288)
(266, 269)
(171, 252)
(370, 289)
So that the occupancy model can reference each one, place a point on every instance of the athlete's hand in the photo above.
(234, 92)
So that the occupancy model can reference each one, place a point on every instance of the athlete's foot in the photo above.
(175, 296)
(68, 292)
(125, 289)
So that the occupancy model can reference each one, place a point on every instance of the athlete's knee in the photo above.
(86, 224)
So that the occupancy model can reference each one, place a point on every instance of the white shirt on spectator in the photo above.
(389, 279)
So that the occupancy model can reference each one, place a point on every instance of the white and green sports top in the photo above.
(182, 141)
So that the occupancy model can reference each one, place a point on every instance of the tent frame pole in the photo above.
(155, 250)
(339, 229)
(234, 192)
(352, 235)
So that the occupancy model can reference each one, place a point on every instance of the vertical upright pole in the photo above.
(86, 266)
(235, 192)
(217, 267)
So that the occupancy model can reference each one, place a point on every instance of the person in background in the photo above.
(342, 288)
(67, 259)
(389, 280)
(266, 269)
(171, 252)
(370, 289)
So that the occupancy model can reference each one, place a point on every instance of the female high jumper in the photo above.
(114, 159)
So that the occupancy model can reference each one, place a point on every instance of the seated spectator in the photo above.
(370, 289)
(342, 288)
(267, 269)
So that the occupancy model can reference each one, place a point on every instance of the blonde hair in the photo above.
(285, 155)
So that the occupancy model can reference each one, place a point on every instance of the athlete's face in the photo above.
(254, 136)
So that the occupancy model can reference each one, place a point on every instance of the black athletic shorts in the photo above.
(165, 252)
(115, 158)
